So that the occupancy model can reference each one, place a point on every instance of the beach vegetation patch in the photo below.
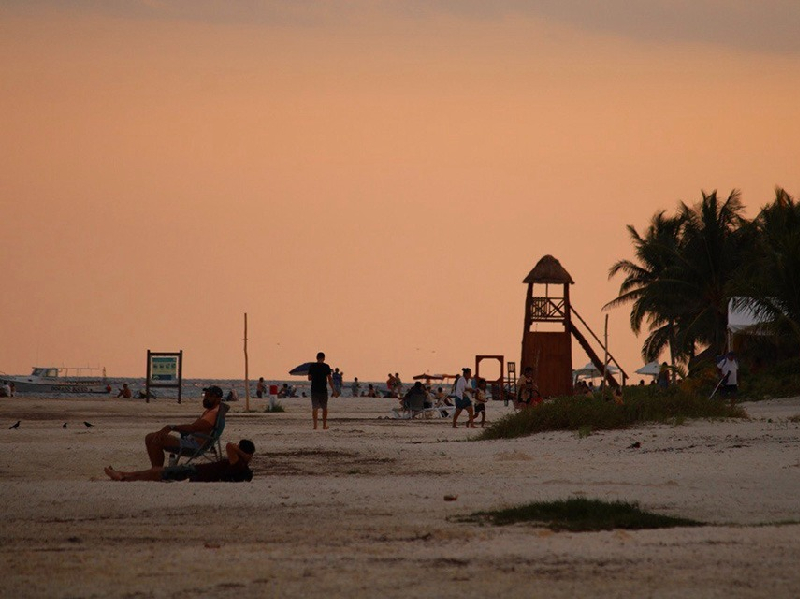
(586, 414)
(581, 514)
(780, 380)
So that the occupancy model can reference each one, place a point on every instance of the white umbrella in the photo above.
(590, 371)
(651, 368)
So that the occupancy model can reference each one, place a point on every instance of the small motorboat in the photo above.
(55, 380)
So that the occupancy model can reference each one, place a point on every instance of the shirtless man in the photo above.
(161, 441)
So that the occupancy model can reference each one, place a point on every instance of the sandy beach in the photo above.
(360, 510)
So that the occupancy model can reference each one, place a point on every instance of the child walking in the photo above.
(480, 400)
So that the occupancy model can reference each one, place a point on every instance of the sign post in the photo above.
(165, 370)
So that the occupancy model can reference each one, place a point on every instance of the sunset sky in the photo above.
(370, 179)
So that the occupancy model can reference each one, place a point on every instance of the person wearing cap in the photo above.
(463, 401)
(159, 442)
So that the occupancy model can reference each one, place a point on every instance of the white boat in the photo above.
(55, 380)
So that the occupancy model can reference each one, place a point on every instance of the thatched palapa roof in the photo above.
(548, 270)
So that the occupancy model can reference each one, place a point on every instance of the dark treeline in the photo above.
(689, 264)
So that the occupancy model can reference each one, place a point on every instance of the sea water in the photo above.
(193, 388)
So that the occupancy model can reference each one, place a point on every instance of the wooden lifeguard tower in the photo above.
(549, 329)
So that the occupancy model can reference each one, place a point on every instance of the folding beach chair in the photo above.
(415, 407)
(210, 448)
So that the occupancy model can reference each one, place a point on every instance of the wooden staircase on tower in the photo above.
(596, 360)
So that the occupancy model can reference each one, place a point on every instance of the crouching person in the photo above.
(234, 467)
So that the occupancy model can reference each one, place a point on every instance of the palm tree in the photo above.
(710, 252)
(771, 272)
(647, 284)
(681, 283)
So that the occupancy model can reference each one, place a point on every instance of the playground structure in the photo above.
(495, 386)
(549, 328)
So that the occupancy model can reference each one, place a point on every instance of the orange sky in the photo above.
(369, 179)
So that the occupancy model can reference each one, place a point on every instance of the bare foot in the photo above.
(115, 475)
(324, 426)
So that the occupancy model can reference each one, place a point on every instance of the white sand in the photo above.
(359, 510)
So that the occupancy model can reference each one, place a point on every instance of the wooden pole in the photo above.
(246, 369)
(605, 358)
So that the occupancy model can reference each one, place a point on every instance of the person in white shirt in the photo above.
(729, 367)
(463, 401)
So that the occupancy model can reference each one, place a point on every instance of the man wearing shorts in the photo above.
(159, 442)
(729, 367)
(319, 374)
(232, 468)
(463, 401)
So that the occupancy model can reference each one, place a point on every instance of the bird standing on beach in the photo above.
(87, 424)
(15, 425)
(64, 426)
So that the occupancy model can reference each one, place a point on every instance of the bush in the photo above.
(579, 514)
(780, 380)
(642, 404)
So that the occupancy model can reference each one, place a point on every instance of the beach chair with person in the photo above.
(413, 404)
(210, 447)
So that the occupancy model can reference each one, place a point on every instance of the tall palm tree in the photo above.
(647, 284)
(681, 281)
(771, 272)
(710, 252)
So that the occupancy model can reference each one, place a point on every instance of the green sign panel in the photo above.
(163, 368)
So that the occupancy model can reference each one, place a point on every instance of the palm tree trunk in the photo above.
(672, 349)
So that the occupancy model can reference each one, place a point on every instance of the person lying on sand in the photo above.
(232, 468)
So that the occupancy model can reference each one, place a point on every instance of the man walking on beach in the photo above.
(729, 367)
(319, 374)
(463, 401)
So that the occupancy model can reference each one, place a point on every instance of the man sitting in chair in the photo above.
(161, 441)
(232, 468)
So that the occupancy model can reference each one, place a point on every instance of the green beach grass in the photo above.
(643, 404)
(579, 514)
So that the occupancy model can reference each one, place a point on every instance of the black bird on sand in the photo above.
(15, 425)
(64, 425)
(88, 424)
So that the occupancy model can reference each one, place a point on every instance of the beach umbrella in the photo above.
(650, 368)
(427, 377)
(591, 372)
(301, 369)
